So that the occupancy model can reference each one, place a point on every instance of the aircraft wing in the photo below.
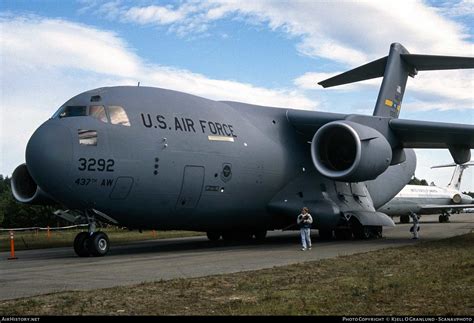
(425, 134)
(434, 207)
(408, 133)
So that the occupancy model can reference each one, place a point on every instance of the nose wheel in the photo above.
(96, 245)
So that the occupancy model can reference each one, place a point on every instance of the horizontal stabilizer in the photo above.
(395, 69)
(471, 163)
(435, 62)
(365, 72)
(416, 62)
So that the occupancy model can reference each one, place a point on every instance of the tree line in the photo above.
(15, 215)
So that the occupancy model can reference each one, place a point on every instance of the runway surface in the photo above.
(51, 270)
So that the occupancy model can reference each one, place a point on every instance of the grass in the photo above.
(429, 278)
(35, 240)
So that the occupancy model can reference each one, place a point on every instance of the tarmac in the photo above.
(45, 271)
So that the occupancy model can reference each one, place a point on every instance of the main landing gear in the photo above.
(404, 218)
(91, 243)
(444, 217)
(352, 228)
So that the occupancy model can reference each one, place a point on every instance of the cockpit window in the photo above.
(72, 111)
(98, 112)
(118, 115)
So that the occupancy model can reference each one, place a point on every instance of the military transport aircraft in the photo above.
(421, 199)
(146, 157)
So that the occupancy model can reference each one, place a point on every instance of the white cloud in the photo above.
(464, 8)
(351, 32)
(154, 14)
(47, 61)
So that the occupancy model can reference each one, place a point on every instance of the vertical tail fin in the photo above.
(393, 85)
(455, 182)
(395, 69)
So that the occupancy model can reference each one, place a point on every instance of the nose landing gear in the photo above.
(91, 243)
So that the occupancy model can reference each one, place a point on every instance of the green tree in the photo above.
(416, 181)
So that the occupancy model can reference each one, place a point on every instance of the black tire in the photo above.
(98, 244)
(213, 236)
(80, 244)
(362, 232)
(325, 234)
(443, 218)
(405, 218)
(376, 232)
(260, 235)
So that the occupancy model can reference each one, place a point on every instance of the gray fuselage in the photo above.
(186, 162)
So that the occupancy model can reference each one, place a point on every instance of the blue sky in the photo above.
(263, 52)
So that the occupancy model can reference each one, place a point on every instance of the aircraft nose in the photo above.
(49, 156)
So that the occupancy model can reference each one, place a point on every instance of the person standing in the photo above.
(304, 221)
(415, 227)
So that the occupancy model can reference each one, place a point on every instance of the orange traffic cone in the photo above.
(12, 247)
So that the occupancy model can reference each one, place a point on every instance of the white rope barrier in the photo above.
(44, 229)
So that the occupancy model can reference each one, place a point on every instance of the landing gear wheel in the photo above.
(213, 236)
(362, 232)
(405, 218)
(98, 244)
(325, 234)
(376, 232)
(443, 218)
(80, 244)
(260, 235)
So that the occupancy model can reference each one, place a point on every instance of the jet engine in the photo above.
(350, 152)
(456, 199)
(25, 189)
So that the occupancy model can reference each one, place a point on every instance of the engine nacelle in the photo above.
(350, 152)
(456, 199)
(25, 189)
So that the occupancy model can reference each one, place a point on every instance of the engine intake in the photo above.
(350, 152)
(25, 189)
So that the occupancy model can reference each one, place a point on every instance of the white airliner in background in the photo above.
(421, 199)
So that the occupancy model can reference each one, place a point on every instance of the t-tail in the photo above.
(455, 182)
(395, 69)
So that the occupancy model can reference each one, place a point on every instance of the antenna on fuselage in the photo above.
(138, 84)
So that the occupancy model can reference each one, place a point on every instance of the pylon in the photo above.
(12, 247)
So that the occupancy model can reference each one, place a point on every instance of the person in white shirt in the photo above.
(304, 221)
